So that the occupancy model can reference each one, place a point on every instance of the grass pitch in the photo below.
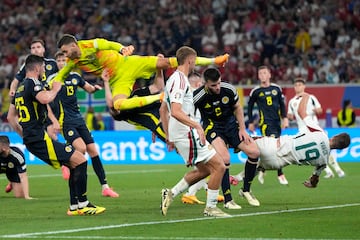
(330, 211)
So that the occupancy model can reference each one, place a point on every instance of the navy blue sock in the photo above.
(80, 181)
(250, 171)
(225, 185)
(99, 169)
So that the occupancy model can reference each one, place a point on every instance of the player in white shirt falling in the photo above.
(313, 108)
(187, 135)
(309, 147)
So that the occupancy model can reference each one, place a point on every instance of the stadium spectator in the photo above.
(210, 42)
(346, 117)
(97, 18)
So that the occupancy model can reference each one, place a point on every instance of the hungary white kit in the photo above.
(309, 147)
(185, 138)
(312, 103)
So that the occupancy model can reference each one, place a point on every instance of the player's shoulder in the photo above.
(49, 60)
(199, 89)
(255, 90)
(75, 75)
(32, 81)
(17, 151)
(15, 148)
(199, 93)
(275, 86)
(228, 87)
(293, 99)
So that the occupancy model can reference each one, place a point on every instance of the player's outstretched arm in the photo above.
(13, 120)
(108, 96)
(164, 118)
(159, 83)
(302, 105)
(13, 86)
(25, 185)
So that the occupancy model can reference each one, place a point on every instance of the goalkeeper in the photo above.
(93, 56)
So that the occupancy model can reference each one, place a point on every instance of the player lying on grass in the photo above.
(12, 163)
(311, 146)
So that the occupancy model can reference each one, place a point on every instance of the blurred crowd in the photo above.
(318, 40)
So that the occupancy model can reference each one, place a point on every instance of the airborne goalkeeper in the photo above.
(93, 56)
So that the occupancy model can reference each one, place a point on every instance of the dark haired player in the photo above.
(224, 125)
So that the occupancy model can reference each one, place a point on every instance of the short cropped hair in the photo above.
(4, 140)
(194, 74)
(59, 54)
(66, 39)
(263, 67)
(37, 40)
(33, 60)
(211, 74)
(300, 79)
(184, 52)
(341, 141)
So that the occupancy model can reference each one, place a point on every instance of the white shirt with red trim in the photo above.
(178, 90)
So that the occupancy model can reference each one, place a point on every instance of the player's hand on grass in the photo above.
(312, 181)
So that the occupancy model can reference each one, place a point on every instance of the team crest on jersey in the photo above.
(48, 67)
(10, 165)
(74, 81)
(68, 148)
(70, 133)
(225, 100)
(274, 92)
(213, 135)
(177, 95)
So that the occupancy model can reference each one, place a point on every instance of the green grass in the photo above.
(331, 211)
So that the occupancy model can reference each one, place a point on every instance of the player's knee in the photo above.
(226, 158)
(253, 151)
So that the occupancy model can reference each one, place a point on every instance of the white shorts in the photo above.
(269, 159)
(192, 151)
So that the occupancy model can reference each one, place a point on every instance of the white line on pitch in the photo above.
(43, 234)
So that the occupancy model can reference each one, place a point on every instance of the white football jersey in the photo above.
(312, 104)
(178, 90)
(309, 147)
